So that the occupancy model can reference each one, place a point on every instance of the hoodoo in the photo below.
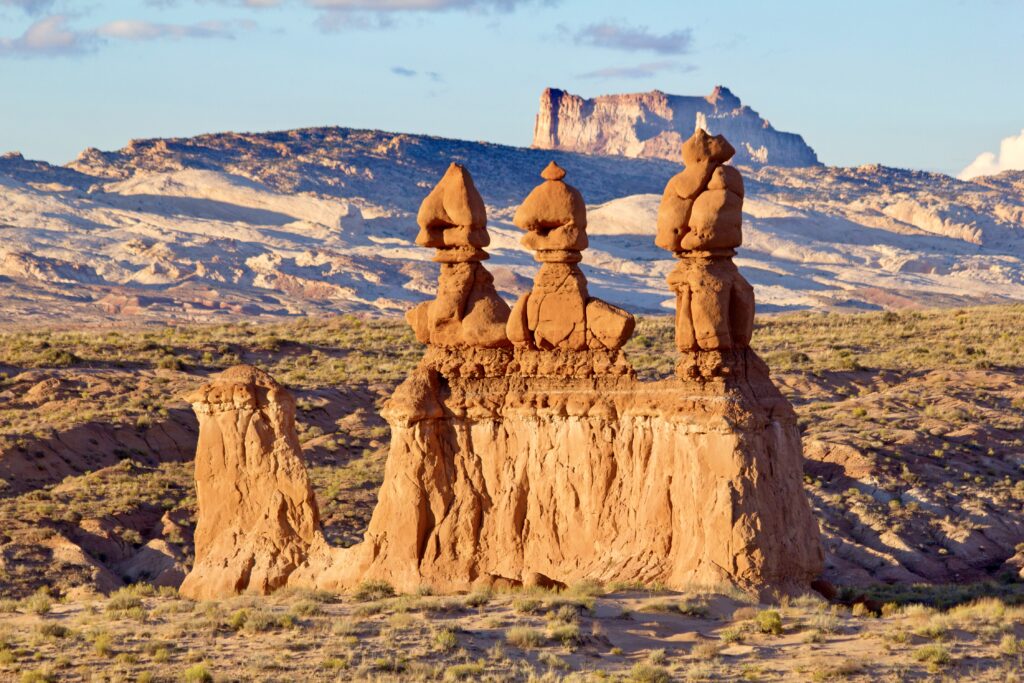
(258, 516)
(524, 451)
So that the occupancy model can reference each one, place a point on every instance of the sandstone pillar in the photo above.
(258, 516)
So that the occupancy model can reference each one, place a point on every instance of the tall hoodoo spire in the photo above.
(467, 310)
(559, 313)
(699, 220)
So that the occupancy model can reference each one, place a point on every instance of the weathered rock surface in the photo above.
(555, 314)
(543, 464)
(578, 471)
(700, 221)
(258, 515)
(467, 310)
(654, 124)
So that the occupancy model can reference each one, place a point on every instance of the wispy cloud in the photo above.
(346, 14)
(1009, 158)
(418, 5)
(52, 36)
(406, 72)
(646, 70)
(47, 37)
(29, 6)
(126, 29)
(620, 36)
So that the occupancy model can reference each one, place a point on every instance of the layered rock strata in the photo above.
(526, 467)
(258, 515)
(654, 124)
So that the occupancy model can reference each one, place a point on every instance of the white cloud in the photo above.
(621, 36)
(415, 5)
(126, 29)
(1010, 157)
(51, 36)
(47, 36)
(646, 70)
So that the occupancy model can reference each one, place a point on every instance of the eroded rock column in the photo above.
(559, 313)
(467, 311)
(258, 516)
(699, 221)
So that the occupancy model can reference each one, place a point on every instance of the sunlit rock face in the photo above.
(655, 124)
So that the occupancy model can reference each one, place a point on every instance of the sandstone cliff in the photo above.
(655, 124)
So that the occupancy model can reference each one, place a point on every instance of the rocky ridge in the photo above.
(315, 221)
(655, 124)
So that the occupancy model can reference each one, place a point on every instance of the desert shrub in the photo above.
(52, 629)
(524, 637)
(37, 676)
(460, 672)
(306, 608)
(567, 634)
(103, 644)
(934, 655)
(648, 673)
(445, 639)
(706, 650)
(368, 591)
(122, 601)
(1011, 646)
(39, 602)
(769, 621)
(527, 605)
(478, 598)
(197, 673)
(733, 634)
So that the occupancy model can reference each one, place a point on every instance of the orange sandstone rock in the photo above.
(258, 516)
(700, 221)
(467, 310)
(540, 464)
(554, 315)
(554, 467)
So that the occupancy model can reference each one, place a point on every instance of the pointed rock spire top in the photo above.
(552, 172)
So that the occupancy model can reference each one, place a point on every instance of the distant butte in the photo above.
(655, 124)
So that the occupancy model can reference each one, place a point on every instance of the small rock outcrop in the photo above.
(559, 313)
(258, 515)
(654, 124)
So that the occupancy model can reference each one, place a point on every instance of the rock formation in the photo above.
(654, 124)
(258, 516)
(545, 462)
(699, 221)
(467, 310)
(559, 313)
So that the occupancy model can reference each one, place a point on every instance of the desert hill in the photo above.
(321, 220)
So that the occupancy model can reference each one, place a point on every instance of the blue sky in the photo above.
(927, 85)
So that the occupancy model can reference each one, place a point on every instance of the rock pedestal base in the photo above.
(509, 466)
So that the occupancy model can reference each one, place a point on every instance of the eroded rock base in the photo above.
(519, 467)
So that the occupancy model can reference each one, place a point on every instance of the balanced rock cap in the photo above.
(453, 202)
(552, 204)
(702, 147)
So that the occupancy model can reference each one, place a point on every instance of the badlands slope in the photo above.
(321, 220)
